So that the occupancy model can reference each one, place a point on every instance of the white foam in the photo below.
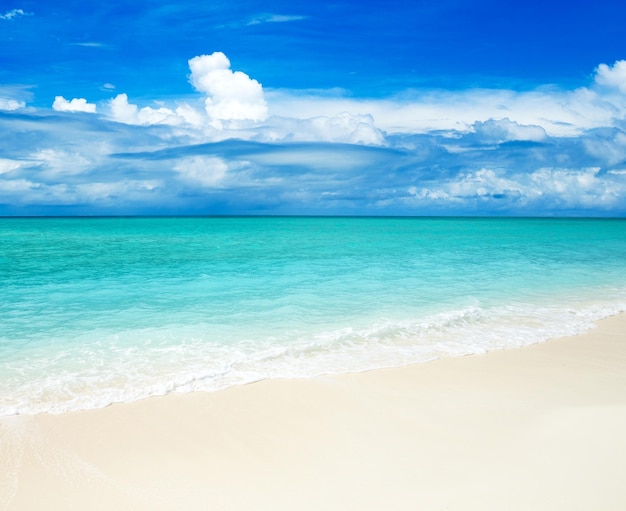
(183, 359)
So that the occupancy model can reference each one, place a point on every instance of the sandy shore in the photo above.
(538, 428)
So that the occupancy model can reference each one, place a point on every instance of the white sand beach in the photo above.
(536, 428)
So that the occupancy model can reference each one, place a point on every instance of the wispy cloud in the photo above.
(89, 44)
(14, 13)
(274, 18)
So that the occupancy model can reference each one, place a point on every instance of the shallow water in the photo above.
(101, 310)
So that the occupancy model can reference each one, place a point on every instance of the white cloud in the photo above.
(162, 115)
(122, 110)
(7, 165)
(342, 128)
(128, 113)
(274, 18)
(206, 171)
(504, 130)
(439, 110)
(190, 115)
(89, 44)
(231, 95)
(59, 162)
(545, 189)
(612, 77)
(111, 192)
(611, 150)
(13, 13)
(11, 104)
(558, 112)
(75, 105)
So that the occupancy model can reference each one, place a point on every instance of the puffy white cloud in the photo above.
(612, 76)
(123, 111)
(11, 104)
(232, 95)
(75, 105)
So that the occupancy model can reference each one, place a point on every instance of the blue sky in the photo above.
(404, 108)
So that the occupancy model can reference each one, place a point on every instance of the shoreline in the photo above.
(536, 427)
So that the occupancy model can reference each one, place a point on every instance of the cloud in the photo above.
(542, 152)
(11, 104)
(612, 76)
(540, 192)
(504, 130)
(75, 105)
(205, 171)
(274, 18)
(90, 45)
(342, 128)
(13, 13)
(231, 95)
(14, 97)
(8, 165)
(558, 112)
(122, 111)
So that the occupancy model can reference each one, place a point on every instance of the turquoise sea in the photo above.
(95, 311)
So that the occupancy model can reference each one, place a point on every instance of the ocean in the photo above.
(95, 311)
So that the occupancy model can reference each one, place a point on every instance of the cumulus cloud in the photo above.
(75, 105)
(121, 110)
(231, 95)
(612, 76)
(11, 104)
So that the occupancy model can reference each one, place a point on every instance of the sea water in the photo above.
(95, 311)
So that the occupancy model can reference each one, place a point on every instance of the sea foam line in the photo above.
(196, 365)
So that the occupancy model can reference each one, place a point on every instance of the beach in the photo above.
(539, 427)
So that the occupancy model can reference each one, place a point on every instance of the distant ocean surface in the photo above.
(95, 311)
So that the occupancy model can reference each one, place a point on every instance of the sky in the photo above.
(454, 107)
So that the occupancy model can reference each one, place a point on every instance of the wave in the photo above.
(136, 364)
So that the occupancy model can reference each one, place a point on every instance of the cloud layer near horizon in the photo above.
(235, 148)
